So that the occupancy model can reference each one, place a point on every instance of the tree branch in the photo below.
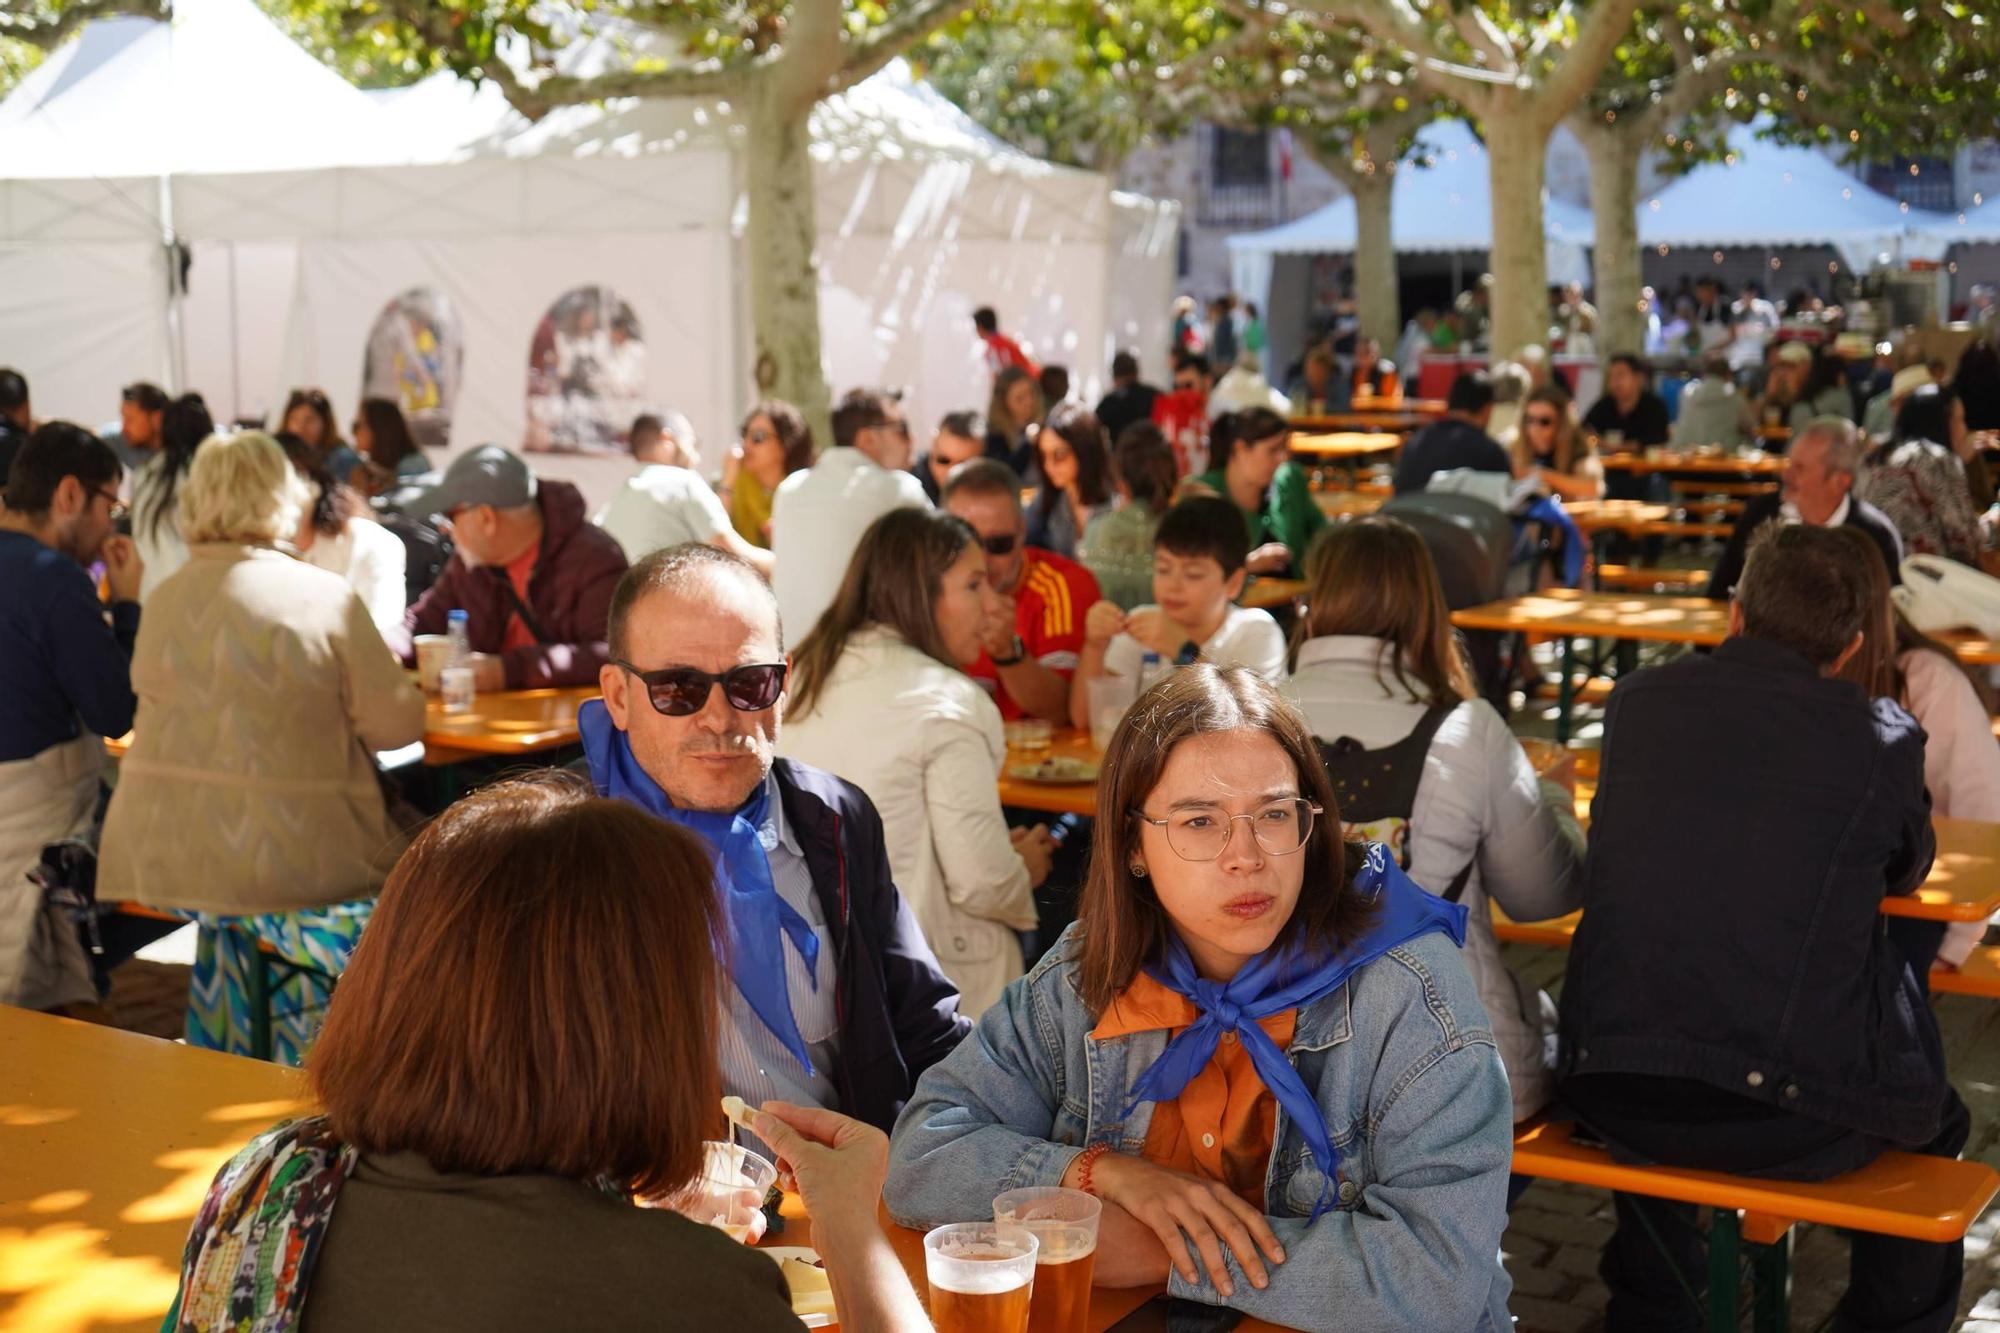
(889, 40)
(1582, 62)
(48, 33)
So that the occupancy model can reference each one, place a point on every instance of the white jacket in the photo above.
(925, 742)
(1480, 804)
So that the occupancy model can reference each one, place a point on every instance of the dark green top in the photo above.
(1288, 514)
(410, 1248)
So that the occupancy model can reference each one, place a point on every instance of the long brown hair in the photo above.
(1375, 578)
(1572, 443)
(535, 993)
(893, 581)
(794, 433)
(997, 415)
(1887, 634)
(1121, 925)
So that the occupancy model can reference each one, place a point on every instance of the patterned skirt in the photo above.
(308, 950)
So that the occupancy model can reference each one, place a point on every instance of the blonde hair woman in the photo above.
(1548, 442)
(249, 800)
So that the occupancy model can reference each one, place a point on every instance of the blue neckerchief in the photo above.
(759, 917)
(1279, 980)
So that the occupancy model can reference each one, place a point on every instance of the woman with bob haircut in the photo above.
(1076, 484)
(774, 442)
(478, 1154)
(249, 798)
(1258, 1046)
(880, 697)
(1449, 789)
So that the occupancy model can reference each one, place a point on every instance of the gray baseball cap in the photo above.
(488, 475)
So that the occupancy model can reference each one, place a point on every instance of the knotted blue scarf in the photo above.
(759, 918)
(1277, 980)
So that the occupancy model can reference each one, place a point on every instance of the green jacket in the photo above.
(1288, 514)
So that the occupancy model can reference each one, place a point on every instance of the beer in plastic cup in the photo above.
(433, 650)
(1064, 1225)
(982, 1275)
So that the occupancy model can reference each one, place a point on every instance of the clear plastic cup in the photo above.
(1030, 733)
(729, 1192)
(1064, 1224)
(1109, 698)
(982, 1275)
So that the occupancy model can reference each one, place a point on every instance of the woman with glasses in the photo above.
(1432, 770)
(155, 529)
(880, 697)
(1076, 486)
(1550, 445)
(775, 442)
(248, 800)
(1258, 1046)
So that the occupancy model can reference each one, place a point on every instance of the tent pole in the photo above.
(176, 333)
(235, 346)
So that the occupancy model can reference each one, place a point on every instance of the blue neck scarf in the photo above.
(1279, 980)
(759, 918)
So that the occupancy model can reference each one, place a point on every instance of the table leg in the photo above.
(1725, 1283)
(1771, 1272)
(1565, 690)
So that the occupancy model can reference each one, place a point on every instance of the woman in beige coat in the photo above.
(249, 799)
(879, 696)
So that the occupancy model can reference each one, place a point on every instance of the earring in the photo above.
(1138, 870)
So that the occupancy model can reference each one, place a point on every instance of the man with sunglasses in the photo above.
(532, 575)
(834, 1000)
(65, 681)
(1032, 649)
(819, 513)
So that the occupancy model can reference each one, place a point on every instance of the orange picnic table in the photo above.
(1710, 462)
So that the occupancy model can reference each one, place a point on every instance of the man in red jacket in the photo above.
(533, 577)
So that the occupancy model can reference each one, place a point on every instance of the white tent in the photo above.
(1441, 203)
(1772, 194)
(631, 207)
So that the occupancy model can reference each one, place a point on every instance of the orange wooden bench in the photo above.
(1897, 1194)
(1735, 488)
(1651, 578)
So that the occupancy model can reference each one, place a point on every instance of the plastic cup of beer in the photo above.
(729, 1192)
(1064, 1222)
(982, 1275)
(433, 651)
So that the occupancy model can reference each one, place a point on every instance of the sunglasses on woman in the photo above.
(679, 691)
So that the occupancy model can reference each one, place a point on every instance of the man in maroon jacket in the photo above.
(533, 577)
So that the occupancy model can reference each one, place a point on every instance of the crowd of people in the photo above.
(1288, 1057)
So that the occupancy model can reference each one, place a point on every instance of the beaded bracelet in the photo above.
(1088, 1159)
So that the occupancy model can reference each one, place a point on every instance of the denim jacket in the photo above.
(1415, 1097)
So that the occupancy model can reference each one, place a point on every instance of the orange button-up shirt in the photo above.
(520, 572)
(1225, 1122)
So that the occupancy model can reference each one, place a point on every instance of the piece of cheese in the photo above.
(737, 1111)
(811, 1292)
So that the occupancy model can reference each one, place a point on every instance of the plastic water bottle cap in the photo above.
(457, 615)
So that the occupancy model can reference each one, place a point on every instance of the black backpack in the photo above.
(1377, 789)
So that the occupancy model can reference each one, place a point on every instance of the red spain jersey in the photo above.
(1049, 605)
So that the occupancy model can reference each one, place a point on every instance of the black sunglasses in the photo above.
(1004, 544)
(679, 691)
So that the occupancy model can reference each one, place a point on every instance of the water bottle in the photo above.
(455, 681)
(1151, 671)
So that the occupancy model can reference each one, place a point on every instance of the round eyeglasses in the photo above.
(1203, 832)
(679, 691)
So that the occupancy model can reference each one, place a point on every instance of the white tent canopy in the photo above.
(1441, 202)
(1773, 194)
(446, 191)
